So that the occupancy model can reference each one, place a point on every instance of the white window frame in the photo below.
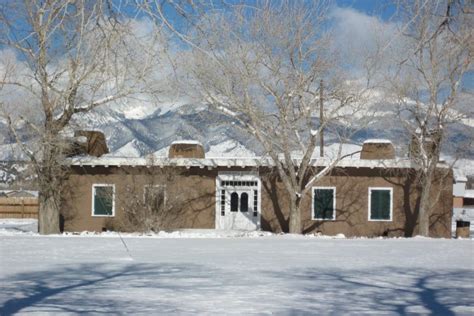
(370, 202)
(155, 186)
(334, 204)
(93, 198)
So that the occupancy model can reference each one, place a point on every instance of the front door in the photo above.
(239, 211)
(238, 205)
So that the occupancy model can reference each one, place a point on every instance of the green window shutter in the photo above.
(323, 203)
(380, 204)
(103, 200)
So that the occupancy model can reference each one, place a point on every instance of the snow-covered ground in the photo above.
(279, 274)
(14, 226)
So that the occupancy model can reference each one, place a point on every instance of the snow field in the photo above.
(283, 275)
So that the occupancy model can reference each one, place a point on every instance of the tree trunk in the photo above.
(48, 217)
(50, 185)
(295, 216)
(423, 217)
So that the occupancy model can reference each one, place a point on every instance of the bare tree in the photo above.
(437, 48)
(146, 205)
(70, 58)
(263, 65)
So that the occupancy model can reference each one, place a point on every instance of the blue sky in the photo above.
(355, 20)
(384, 8)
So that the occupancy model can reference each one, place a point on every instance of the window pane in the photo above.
(234, 202)
(323, 203)
(244, 202)
(380, 204)
(103, 200)
(223, 200)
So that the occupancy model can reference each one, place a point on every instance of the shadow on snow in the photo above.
(190, 288)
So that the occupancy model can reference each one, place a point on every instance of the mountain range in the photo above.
(139, 129)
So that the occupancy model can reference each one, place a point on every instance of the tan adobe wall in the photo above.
(191, 201)
(377, 151)
(186, 150)
(94, 145)
(190, 197)
(458, 202)
(352, 213)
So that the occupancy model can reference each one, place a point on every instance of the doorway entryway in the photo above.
(238, 201)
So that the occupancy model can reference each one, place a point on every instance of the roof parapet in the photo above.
(377, 149)
(186, 149)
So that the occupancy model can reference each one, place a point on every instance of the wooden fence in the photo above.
(19, 207)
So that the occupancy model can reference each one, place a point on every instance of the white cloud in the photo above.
(145, 55)
(363, 39)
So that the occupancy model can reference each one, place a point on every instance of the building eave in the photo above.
(399, 163)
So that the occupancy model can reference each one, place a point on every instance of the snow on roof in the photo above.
(187, 142)
(19, 193)
(234, 162)
(82, 139)
(460, 178)
(377, 141)
(469, 194)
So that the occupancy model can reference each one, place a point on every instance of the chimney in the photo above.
(92, 143)
(377, 149)
(186, 149)
(430, 143)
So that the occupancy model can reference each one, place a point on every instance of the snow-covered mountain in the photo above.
(137, 129)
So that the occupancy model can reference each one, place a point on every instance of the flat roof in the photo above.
(186, 142)
(377, 141)
(469, 194)
(235, 162)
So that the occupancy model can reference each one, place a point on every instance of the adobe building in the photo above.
(373, 194)
(463, 200)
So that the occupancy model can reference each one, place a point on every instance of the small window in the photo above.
(468, 201)
(234, 202)
(155, 197)
(324, 203)
(380, 204)
(244, 202)
(255, 202)
(103, 200)
(222, 200)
